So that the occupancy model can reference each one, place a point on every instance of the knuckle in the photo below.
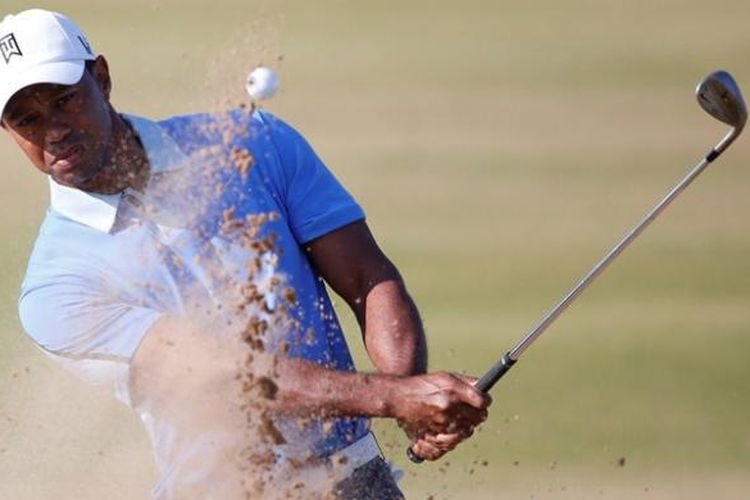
(443, 403)
(456, 438)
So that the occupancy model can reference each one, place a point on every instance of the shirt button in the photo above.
(132, 200)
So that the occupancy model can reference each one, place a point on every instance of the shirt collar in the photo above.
(99, 211)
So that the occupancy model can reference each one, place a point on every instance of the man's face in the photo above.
(65, 130)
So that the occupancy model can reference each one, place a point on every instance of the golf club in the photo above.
(720, 96)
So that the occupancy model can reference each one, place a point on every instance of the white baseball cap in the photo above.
(39, 46)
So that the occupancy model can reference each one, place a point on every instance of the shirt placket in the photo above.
(184, 284)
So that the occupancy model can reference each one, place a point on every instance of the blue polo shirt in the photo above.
(105, 267)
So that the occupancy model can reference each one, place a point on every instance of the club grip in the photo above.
(495, 373)
(484, 384)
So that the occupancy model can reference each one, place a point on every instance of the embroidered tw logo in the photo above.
(9, 47)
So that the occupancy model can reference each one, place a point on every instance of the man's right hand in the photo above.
(439, 410)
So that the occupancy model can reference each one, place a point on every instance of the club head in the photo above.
(720, 96)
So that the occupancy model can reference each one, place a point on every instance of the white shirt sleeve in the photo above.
(85, 327)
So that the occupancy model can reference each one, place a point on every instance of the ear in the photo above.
(100, 72)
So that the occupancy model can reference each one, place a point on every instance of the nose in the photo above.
(57, 131)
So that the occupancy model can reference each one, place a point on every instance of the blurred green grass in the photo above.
(499, 148)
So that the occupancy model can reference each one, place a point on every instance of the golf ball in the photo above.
(262, 83)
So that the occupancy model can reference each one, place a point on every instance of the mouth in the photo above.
(68, 159)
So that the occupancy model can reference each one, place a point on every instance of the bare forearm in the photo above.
(427, 403)
(194, 377)
(177, 361)
(306, 388)
(393, 332)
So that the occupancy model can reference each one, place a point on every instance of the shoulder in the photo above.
(60, 236)
(63, 248)
(203, 129)
(66, 250)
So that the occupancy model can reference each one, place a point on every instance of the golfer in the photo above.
(183, 262)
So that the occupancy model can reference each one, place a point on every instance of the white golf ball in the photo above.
(262, 83)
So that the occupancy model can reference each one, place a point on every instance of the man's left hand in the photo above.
(434, 446)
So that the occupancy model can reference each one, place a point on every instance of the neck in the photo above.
(126, 165)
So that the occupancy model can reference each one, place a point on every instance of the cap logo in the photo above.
(9, 47)
(85, 45)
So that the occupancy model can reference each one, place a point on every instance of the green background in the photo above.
(499, 148)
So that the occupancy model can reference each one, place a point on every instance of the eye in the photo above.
(26, 121)
(65, 98)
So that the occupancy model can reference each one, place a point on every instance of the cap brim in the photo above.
(59, 72)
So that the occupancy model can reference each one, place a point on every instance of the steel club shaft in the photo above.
(495, 373)
(720, 96)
